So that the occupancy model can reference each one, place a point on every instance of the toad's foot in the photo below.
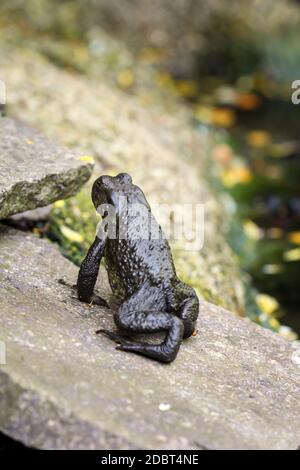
(99, 301)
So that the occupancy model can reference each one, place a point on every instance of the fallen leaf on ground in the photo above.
(223, 117)
(266, 303)
(258, 138)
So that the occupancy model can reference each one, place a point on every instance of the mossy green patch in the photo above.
(73, 225)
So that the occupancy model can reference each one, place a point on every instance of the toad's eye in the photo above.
(103, 181)
(124, 178)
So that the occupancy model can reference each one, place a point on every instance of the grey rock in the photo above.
(29, 220)
(41, 213)
(233, 386)
(34, 171)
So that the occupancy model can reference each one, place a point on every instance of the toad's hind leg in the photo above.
(187, 307)
(144, 312)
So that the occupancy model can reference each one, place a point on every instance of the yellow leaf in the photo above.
(292, 255)
(248, 101)
(266, 303)
(223, 117)
(294, 237)
(238, 175)
(71, 234)
(87, 158)
(252, 230)
(258, 138)
(125, 79)
(29, 141)
(59, 204)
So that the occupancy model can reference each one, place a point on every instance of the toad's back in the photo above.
(134, 261)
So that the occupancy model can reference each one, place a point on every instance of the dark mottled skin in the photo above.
(141, 273)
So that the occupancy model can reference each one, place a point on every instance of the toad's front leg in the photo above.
(88, 274)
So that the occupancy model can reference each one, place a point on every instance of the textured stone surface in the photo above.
(232, 386)
(33, 171)
(41, 213)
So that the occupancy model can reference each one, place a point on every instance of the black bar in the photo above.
(136, 458)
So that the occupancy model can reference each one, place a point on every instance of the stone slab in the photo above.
(233, 386)
(34, 171)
